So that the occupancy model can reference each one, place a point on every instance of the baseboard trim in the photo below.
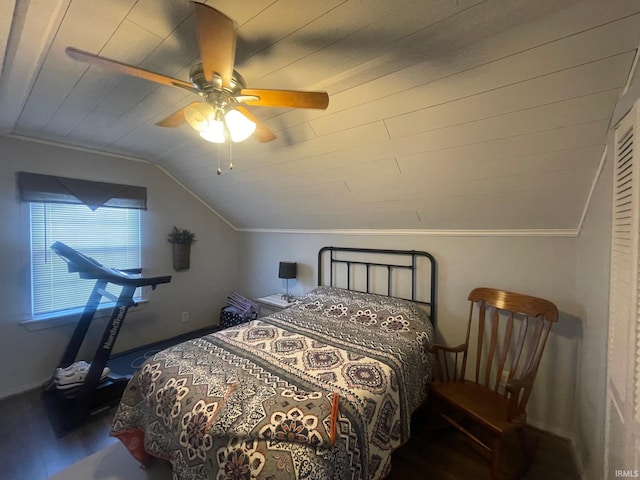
(35, 385)
(178, 339)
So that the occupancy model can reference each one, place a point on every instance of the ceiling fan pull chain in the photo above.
(230, 156)
(219, 171)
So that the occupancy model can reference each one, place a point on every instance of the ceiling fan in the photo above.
(223, 90)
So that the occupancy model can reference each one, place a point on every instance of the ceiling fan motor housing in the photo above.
(213, 90)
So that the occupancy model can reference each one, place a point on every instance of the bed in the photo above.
(324, 389)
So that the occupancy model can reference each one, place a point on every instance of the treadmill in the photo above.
(95, 394)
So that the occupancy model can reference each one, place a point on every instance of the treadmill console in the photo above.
(88, 267)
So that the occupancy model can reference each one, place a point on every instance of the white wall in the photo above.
(593, 293)
(539, 266)
(27, 358)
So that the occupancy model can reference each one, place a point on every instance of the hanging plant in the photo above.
(181, 240)
(181, 236)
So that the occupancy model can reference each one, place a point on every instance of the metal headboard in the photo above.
(410, 263)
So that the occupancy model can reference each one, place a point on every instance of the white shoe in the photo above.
(71, 378)
(71, 368)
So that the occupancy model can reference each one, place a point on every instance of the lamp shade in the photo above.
(240, 127)
(199, 115)
(214, 132)
(288, 270)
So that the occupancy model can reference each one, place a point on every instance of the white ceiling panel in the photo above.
(501, 46)
(90, 90)
(159, 18)
(59, 74)
(512, 70)
(442, 115)
(451, 169)
(609, 74)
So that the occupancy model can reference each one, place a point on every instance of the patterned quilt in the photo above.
(321, 390)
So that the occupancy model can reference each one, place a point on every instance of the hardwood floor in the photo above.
(448, 455)
(29, 450)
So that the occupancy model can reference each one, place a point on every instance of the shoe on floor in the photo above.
(75, 377)
(72, 368)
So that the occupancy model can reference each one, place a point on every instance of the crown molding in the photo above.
(433, 233)
(74, 147)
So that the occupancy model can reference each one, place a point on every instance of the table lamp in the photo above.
(287, 270)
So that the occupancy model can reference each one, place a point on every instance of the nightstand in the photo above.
(271, 304)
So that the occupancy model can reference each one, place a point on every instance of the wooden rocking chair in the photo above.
(509, 331)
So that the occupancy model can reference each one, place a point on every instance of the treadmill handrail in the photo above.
(89, 268)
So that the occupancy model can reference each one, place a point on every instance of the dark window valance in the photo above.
(35, 187)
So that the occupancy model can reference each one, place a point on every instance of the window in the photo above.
(109, 235)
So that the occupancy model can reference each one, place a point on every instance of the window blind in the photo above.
(109, 235)
(35, 187)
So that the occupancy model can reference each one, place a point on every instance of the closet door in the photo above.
(622, 427)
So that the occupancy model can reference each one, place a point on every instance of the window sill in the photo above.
(33, 325)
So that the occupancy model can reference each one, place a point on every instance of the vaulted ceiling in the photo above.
(467, 114)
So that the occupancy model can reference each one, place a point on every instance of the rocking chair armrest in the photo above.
(513, 389)
(515, 385)
(445, 371)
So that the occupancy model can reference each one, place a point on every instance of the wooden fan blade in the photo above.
(87, 57)
(262, 133)
(175, 119)
(287, 98)
(217, 41)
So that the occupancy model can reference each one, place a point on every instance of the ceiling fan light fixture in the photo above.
(199, 115)
(214, 132)
(240, 127)
(216, 82)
